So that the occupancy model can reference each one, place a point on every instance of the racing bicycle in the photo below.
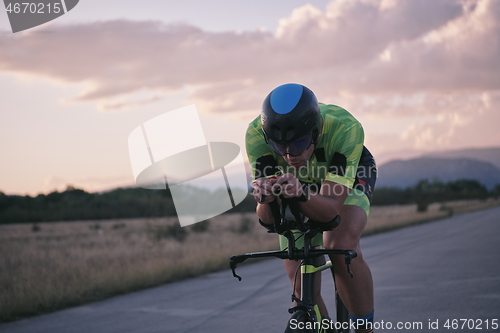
(305, 315)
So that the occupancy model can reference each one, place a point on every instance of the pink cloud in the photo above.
(344, 43)
(381, 58)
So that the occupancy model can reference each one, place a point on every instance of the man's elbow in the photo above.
(326, 218)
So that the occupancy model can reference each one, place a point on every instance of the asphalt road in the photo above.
(428, 274)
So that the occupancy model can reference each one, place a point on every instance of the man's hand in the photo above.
(288, 185)
(263, 190)
(269, 188)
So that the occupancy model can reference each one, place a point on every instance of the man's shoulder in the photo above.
(336, 117)
(334, 112)
(255, 141)
(255, 124)
(254, 130)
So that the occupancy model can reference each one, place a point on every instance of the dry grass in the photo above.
(69, 263)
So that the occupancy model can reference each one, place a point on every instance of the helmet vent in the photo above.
(276, 133)
(290, 132)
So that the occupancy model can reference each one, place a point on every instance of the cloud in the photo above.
(380, 58)
(354, 32)
(444, 122)
(345, 42)
(461, 55)
(121, 57)
(125, 103)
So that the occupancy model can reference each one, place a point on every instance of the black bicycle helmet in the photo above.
(289, 113)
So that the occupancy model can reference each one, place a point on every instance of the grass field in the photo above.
(60, 264)
(383, 218)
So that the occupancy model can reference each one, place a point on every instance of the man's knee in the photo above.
(348, 233)
(347, 243)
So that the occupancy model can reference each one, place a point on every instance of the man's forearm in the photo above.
(321, 208)
(264, 213)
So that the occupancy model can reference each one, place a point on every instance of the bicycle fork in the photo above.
(308, 302)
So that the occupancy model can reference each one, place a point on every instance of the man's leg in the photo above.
(357, 292)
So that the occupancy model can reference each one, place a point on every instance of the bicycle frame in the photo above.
(307, 254)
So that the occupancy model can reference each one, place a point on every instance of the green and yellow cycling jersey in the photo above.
(335, 157)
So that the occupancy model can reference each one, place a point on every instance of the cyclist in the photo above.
(315, 152)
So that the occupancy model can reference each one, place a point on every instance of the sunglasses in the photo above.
(294, 148)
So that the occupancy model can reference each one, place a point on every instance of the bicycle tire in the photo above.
(301, 317)
(342, 314)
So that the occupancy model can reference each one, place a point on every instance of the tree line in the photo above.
(76, 204)
(426, 192)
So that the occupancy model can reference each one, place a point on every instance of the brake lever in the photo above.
(233, 264)
(236, 275)
(348, 260)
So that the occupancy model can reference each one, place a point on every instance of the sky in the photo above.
(421, 76)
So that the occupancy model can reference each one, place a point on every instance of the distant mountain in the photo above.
(491, 155)
(407, 173)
